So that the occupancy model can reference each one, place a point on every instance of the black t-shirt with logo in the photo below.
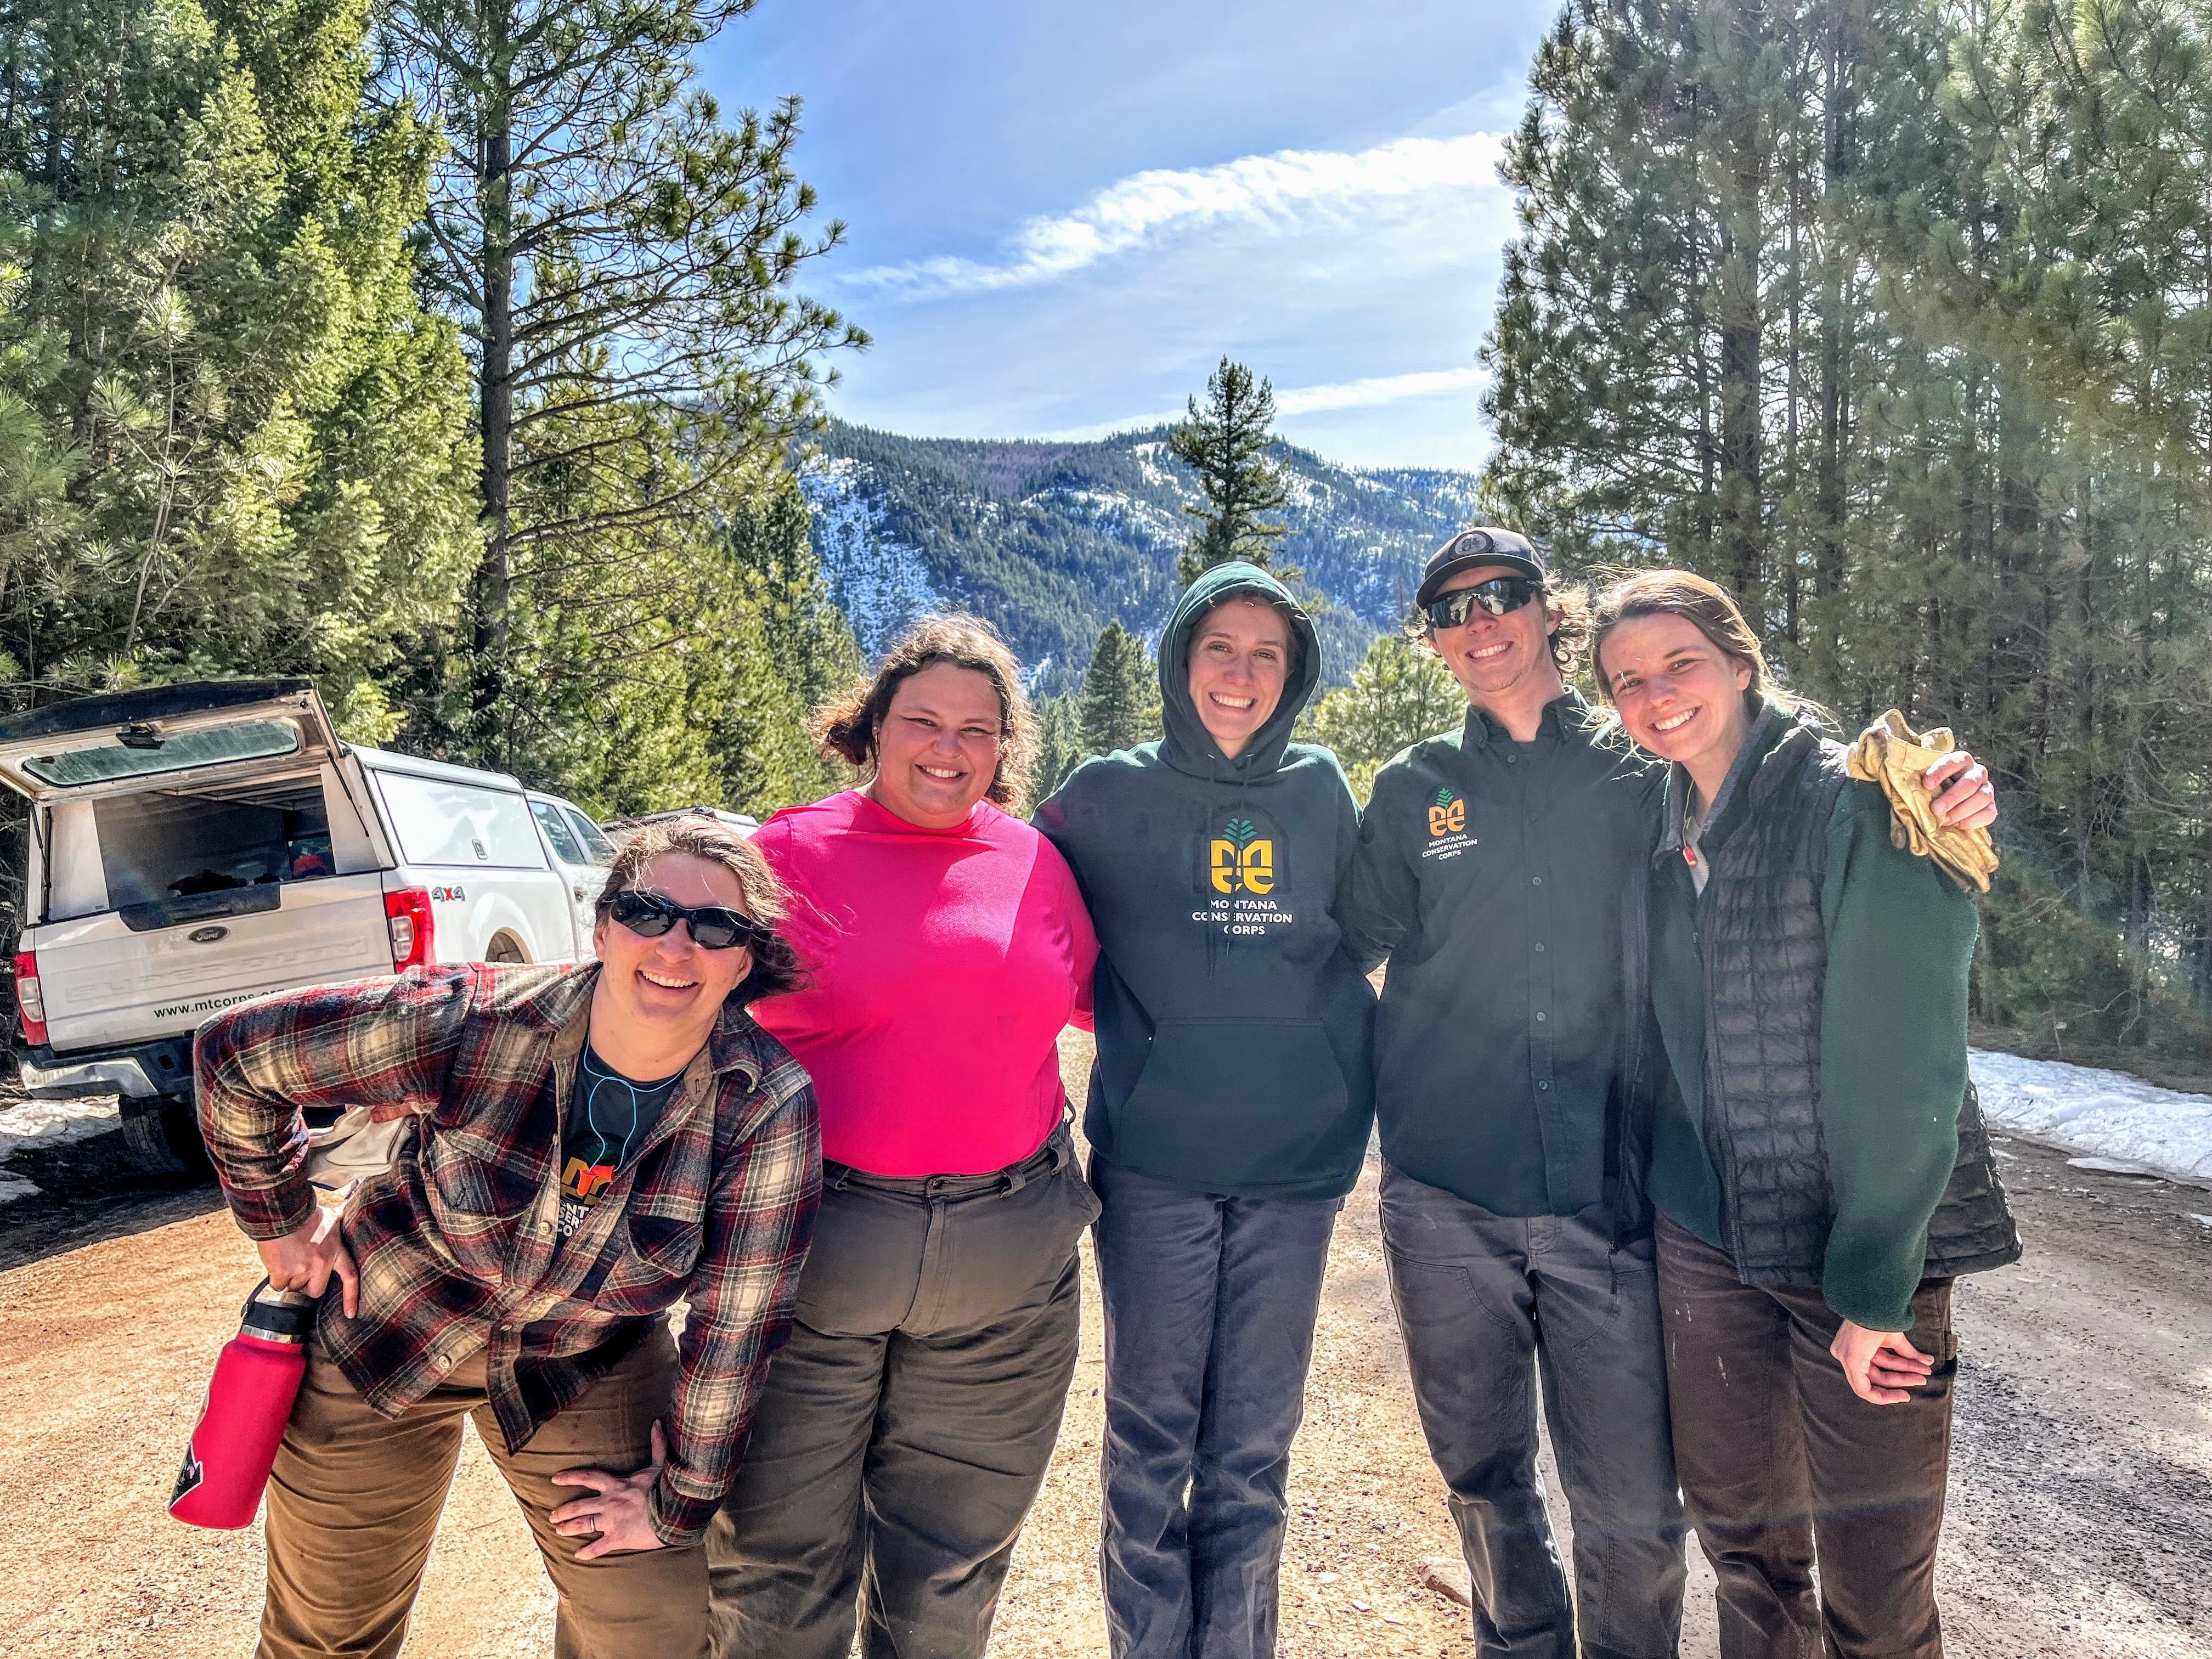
(609, 1120)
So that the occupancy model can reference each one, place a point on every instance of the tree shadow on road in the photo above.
(90, 1190)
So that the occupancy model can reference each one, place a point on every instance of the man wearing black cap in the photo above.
(1491, 873)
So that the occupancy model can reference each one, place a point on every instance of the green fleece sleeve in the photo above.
(1893, 1056)
(1379, 899)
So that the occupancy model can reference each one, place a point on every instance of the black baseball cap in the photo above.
(1483, 545)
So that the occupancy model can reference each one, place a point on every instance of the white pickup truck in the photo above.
(194, 846)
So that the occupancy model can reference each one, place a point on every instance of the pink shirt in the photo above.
(944, 963)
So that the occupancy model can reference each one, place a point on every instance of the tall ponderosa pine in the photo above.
(1119, 706)
(1225, 444)
(622, 263)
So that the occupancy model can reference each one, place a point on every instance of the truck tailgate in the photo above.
(106, 984)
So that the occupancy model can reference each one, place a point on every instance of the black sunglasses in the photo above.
(1499, 595)
(713, 928)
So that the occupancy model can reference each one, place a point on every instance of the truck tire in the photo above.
(163, 1136)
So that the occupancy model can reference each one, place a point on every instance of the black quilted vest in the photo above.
(1766, 961)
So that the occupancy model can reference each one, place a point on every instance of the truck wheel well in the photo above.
(505, 947)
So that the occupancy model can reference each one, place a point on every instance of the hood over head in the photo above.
(1189, 747)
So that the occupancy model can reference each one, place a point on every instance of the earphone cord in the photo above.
(594, 1077)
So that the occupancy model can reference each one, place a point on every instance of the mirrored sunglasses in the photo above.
(1498, 596)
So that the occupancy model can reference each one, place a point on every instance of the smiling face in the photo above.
(1498, 659)
(1240, 660)
(662, 995)
(938, 750)
(1679, 695)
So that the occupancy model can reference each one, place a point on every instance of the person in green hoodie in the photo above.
(1229, 1110)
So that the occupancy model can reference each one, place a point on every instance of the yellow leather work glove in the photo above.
(1890, 753)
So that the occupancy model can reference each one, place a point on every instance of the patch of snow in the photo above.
(1121, 516)
(2105, 1116)
(1149, 465)
(45, 1123)
(880, 583)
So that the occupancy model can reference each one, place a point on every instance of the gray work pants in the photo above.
(904, 1430)
(1487, 1302)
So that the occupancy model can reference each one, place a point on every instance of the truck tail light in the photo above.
(407, 913)
(30, 1001)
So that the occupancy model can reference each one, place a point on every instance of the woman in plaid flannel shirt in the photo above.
(471, 1279)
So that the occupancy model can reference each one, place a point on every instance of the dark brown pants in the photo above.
(356, 1497)
(1779, 1460)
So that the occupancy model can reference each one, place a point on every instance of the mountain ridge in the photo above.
(1051, 539)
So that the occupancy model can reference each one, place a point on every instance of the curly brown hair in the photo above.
(847, 727)
(776, 965)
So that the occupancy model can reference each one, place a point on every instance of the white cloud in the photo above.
(1376, 389)
(1303, 400)
(1287, 190)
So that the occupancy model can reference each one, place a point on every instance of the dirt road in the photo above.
(2080, 1524)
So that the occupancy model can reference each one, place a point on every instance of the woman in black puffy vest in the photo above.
(1818, 1162)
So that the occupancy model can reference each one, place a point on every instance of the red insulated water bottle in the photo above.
(249, 1400)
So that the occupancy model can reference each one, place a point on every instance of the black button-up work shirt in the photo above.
(1491, 874)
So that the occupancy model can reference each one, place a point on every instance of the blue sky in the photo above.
(1062, 215)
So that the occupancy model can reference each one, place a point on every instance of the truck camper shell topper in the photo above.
(114, 740)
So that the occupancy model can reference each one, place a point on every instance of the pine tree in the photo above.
(1119, 706)
(1225, 444)
(1400, 694)
(621, 261)
(1890, 314)
(230, 439)
(1060, 747)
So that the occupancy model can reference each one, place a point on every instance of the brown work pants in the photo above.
(355, 1499)
(1779, 1460)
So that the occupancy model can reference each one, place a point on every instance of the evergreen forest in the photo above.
(464, 358)
(1895, 316)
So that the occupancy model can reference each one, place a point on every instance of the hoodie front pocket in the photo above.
(1234, 1100)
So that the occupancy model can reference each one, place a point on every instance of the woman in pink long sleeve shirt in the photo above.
(905, 1429)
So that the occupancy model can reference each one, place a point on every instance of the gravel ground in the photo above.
(2081, 1486)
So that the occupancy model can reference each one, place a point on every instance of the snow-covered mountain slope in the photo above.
(1051, 540)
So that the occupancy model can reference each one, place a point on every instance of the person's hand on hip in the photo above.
(305, 1258)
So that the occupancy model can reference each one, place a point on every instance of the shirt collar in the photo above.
(1566, 709)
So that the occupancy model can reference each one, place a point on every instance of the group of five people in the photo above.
(1669, 1066)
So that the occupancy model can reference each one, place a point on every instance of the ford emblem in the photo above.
(208, 935)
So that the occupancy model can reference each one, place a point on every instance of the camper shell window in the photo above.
(104, 762)
(443, 822)
(173, 855)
